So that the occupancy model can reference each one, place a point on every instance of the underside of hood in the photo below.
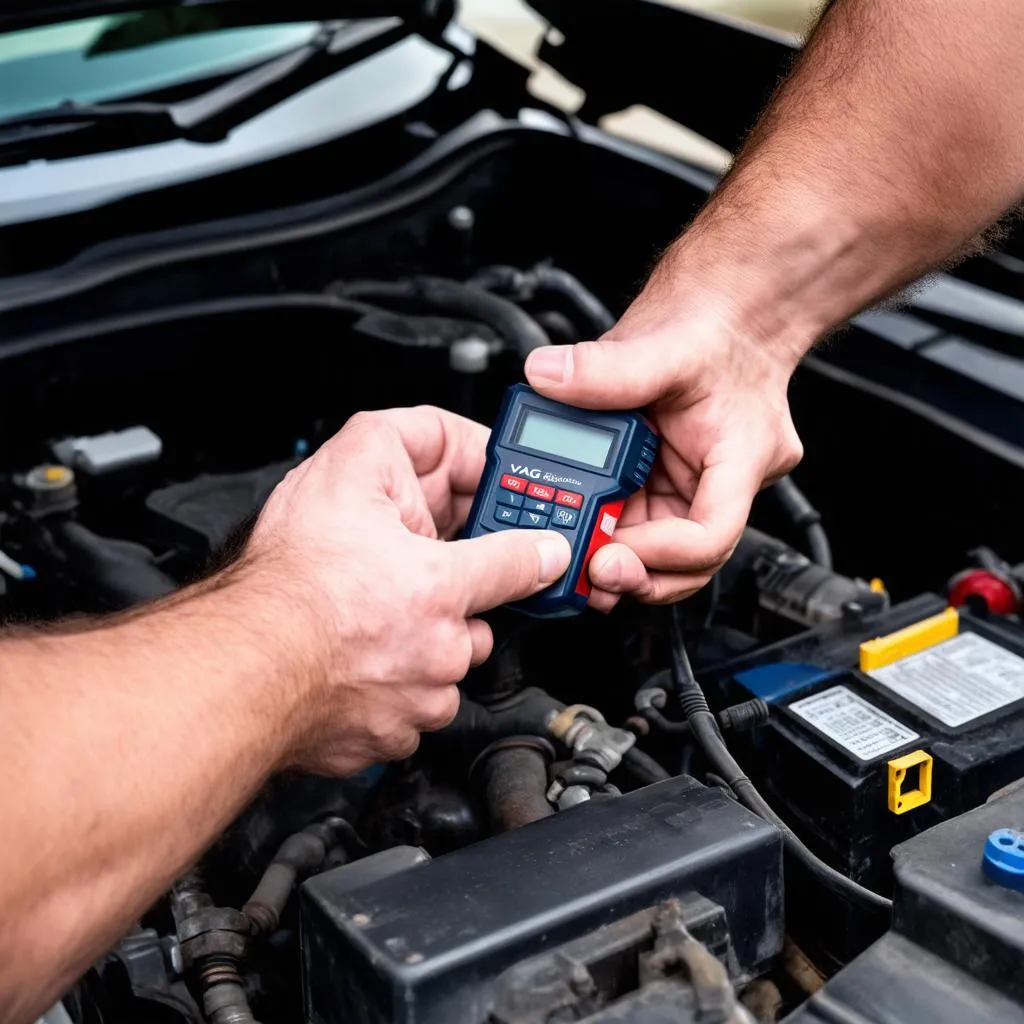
(16, 14)
(711, 73)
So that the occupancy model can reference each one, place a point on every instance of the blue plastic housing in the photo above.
(626, 469)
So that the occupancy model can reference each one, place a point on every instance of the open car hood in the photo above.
(16, 14)
(706, 71)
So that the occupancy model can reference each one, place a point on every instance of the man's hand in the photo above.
(896, 140)
(719, 402)
(339, 635)
(352, 536)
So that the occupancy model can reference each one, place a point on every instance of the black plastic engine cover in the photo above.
(426, 945)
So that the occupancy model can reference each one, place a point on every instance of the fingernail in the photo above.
(554, 554)
(552, 365)
(607, 572)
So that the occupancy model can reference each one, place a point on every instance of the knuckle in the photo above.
(405, 745)
(429, 591)
(392, 738)
(791, 449)
(441, 710)
(670, 589)
(364, 420)
(370, 429)
(448, 659)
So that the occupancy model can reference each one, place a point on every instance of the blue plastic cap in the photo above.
(301, 448)
(27, 572)
(1003, 860)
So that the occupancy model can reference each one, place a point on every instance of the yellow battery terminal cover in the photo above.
(901, 800)
(921, 635)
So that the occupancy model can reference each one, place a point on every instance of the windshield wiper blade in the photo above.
(72, 129)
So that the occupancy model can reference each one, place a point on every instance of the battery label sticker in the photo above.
(852, 723)
(957, 681)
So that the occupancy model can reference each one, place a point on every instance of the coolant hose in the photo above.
(475, 726)
(524, 284)
(123, 572)
(643, 767)
(590, 307)
(694, 706)
(514, 773)
(458, 299)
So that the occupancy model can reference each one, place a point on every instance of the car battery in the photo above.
(881, 728)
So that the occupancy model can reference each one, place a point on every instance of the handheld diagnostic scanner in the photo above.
(552, 466)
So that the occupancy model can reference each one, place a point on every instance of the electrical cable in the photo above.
(694, 706)
(804, 515)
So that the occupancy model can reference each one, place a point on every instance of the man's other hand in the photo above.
(718, 399)
(359, 537)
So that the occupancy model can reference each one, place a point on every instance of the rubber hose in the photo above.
(543, 278)
(516, 780)
(643, 767)
(458, 299)
(694, 706)
(123, 572)
(589, 306)
(299, 855)
(663, 724)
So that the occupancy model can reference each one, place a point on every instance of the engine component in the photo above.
(591, 739)
(214, 941)
(865, 755)
(956, 943)
(668, 962)
(105, 453)
(991, 587)
(207, 511)
(50, 489)
(792, 586)
(429, 945)
(805, 516)
(299, 855)
(694, 706)
(120, 572)
(467, 301)
(514, 776)
(545, 280)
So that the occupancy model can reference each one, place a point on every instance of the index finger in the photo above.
(721, 504)
(703, 540)
(442, 443)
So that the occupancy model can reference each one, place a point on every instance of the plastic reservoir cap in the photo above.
(1003, 859)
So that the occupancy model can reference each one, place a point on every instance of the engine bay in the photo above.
(568, 849)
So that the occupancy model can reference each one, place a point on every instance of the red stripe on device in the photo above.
(604, 527)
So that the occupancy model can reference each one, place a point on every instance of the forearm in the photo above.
(896, 140)
(127, 748)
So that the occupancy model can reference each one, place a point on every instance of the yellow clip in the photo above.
(904, 642)
(877, 586)
(900, 802)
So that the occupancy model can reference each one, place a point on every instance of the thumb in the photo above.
(507, 566)
(603, 374)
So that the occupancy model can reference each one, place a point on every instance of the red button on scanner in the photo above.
(513, 483)
(570, 498)
(541, 492)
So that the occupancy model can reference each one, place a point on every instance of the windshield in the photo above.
(126, 55)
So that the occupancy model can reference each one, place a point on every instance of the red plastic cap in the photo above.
(998, 596)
